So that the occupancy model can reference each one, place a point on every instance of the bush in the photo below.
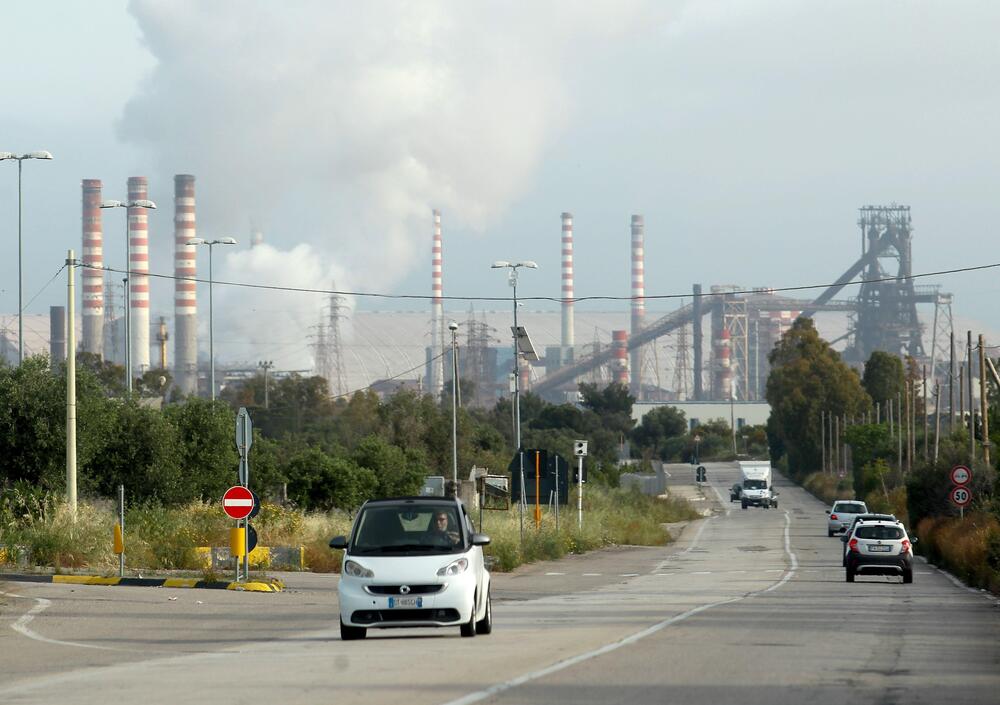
(969, 548)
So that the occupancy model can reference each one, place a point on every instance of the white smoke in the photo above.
(342, 124)
(271, 324)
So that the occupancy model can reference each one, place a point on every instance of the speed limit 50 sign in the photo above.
(961, 496)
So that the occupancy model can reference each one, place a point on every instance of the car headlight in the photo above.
(356, 570)
(455, 567)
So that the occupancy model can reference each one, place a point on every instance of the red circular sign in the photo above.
(961, 496)
(960, 475)
(238, 502)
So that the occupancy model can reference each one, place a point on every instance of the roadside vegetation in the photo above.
(39, 533)
(809, 382)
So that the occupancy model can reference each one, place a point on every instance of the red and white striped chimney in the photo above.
(638, 302)
(185, 288)
(724, 370)
(437, 311)
(619, 343)
(138, 258)
(567, 282)
(93, 279)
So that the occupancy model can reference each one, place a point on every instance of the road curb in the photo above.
(271, 585)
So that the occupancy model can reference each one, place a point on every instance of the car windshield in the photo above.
(755, 484)
(878, 532)
(407, 528)
(849, 508)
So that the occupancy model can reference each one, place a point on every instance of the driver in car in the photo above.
(441, 532)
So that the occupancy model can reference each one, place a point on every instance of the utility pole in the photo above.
(71, 383)
(972, 413)
(822, 437)
(951, 386)
(923, 398)
(983, 401)
(266, 365)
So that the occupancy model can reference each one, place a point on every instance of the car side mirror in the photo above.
(913, 539)
(480, 540)
(827, 511)
(339, 542)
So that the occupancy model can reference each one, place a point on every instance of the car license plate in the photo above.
(405, 602)
(880, 549)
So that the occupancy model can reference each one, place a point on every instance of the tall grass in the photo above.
(969, 547)
(158, 538)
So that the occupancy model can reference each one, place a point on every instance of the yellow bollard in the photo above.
(119, 541)
(237, 541)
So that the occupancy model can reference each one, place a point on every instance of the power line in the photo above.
(389, 379)
(427, 297)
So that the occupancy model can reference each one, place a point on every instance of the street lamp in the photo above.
(266, 365)
(453, 327)
(697, 441)
(512, 279)
(211, 323)
(137, 203)
(20, 288)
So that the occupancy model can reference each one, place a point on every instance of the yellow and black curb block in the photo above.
(269, 585)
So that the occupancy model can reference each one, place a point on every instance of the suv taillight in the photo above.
(906, 545)
(833, 516)
(853, 545)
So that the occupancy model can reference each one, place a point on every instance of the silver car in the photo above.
(880, 548)
(842, 515)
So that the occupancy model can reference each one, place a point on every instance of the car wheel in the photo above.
(908, 576)
(829, 533)
(849, 576)
(485, 625)
(469, 628)
(349, 633)
(744, 504)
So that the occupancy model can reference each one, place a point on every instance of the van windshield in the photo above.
(754, 484)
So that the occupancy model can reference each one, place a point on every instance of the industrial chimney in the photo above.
(138, 259)
(567, 284)
(437, 312)
(638, 302)
(93, 279)
(185, 291)
(619, 344)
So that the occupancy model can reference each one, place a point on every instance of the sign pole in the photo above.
(557, 493)
(579, 494)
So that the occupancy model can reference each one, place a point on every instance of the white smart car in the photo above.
(413, 562)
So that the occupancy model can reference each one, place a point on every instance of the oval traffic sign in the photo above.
(238, 502)
(960, 475)
(961, 496)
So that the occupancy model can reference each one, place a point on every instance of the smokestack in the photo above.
(57, 335)
(138, 258)
(93, 279)
(638, 302)
(619, 344)
(437, 312)
(723, 370)
(567, 283)
(185, 289)
(696, 342)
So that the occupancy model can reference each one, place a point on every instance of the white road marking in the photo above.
(628, 575)
(702, 572)
(555, 574)
(21, 625)
(649, 631)
(590, 575)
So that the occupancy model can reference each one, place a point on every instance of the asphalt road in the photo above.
(747, 607)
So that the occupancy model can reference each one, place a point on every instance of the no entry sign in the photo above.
(238, 502)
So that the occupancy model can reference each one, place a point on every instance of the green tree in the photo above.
(207, 450)
(883, 376)
(657, 428)
(398, 472)
(807, 377)
(321, 481)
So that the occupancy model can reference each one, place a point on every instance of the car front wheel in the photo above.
(469, 628)
(349, 633)
(485, 625)
(908, 576)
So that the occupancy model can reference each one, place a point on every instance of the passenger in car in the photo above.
(442, 532)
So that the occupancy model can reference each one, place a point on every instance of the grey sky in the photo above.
(746, 132)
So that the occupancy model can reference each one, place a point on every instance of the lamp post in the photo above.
(453, 327)
(211, 322)
(138, 203)
(41, 154)
(266, 365)
(512, 279)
